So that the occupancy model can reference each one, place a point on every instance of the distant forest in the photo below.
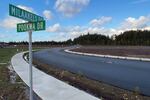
(126, 38)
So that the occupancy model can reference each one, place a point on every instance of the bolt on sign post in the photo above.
(35, 23)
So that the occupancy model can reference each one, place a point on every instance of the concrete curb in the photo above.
(108, 56)
(46, 86)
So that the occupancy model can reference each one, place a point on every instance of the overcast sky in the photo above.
(70, 18)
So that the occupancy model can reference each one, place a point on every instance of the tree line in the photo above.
(131, 37)
(68, 42)
(138, 37)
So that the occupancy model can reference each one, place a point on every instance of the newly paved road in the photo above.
(122, 73)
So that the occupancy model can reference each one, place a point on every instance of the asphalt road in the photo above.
(121, 73)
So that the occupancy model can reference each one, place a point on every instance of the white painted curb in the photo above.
(46, 86)
(108, 56)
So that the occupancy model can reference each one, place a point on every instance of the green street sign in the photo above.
(35, 23)
(31, 26)
(23, 14)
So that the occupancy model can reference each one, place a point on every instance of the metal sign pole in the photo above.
(30, 65)
(36, 23)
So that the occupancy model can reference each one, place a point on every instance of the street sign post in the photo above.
(30, 65)
(35, 23)
(31, 26)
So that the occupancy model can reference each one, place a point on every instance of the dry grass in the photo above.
(8, 90)
(129, 51)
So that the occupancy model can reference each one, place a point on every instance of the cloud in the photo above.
(70, 7)
(139, 1)
(65, 32)
(135, 23)
(55, 28)
(10, 22)
(101, 21)
(130, 23)
(94, 30)
(147, 28)
(98, 30)
(26, 8)
(47, 14)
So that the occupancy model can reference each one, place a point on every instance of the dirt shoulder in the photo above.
(11, 87)
(127, 51)
(96, 88)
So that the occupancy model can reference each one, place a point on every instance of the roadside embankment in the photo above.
(99, 89)
(11, 86)
(140, 53)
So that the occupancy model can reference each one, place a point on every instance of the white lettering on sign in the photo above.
(26, 27)
(20, 13)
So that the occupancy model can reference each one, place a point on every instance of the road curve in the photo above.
(126, 74)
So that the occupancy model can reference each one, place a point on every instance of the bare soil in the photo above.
(9, 90)
(127, 51)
